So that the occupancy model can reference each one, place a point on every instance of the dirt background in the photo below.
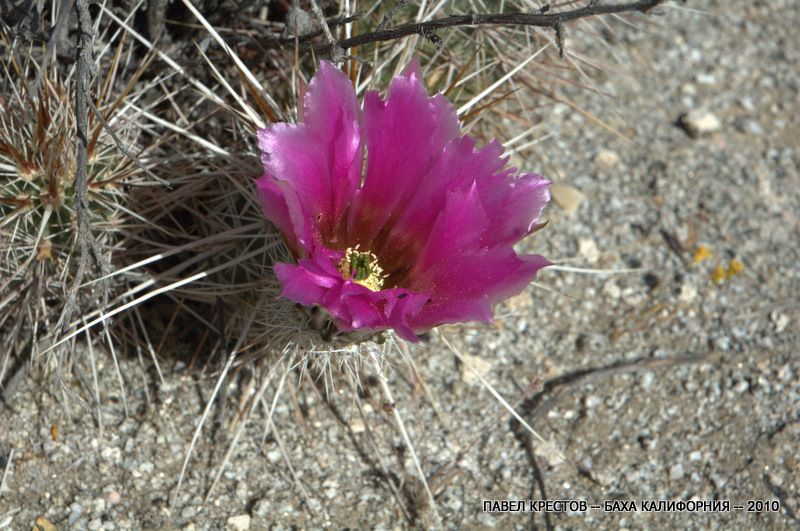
(659, 384)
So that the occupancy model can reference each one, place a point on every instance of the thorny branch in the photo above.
(85, 72)
(543, 18)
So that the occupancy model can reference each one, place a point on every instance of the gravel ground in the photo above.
(660, 384)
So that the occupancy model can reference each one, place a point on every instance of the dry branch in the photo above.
(543, 19)
(85, 72)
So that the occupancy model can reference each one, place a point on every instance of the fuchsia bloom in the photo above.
(396, 221)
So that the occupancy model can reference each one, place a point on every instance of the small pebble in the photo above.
(606, 158)
(676, 472)
(750, 127)
(471, 365)
(239, 522)
(593, 401)
(747, 104)
(612, 290)
(742, 386)
(357, 425)
(688, 293)
(587, 248)
(699, 122)
(567, 197)
(43, 524)
(75, 512)
(274, 456)
(706, 79)
(780, 320)
(550, 452)
(262, 507)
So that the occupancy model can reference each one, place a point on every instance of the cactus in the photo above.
(38, 257)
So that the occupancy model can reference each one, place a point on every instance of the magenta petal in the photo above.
(513, 204)
(311, 279)
(275, 208)
(446, 310)
(319, 158)
(464, 276)
(474, 284)
(404, 135)
(457, 232)
(298, 284)
(457, 166)
(379, 310)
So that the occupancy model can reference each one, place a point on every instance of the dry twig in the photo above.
(85, 72)
(542, 19)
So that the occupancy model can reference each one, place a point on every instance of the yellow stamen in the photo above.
(362, 268)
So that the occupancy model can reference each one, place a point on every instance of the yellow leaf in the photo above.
(701, 253)
(719, 274)
(734, 268)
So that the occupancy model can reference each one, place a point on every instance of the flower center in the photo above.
(362, 268)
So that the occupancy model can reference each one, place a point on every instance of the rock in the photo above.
(239, 522)
(298, 22)
(747, 104)
(273, 456)
(676, 472)
(606, 158)
(357, 425)
(699, 122)
(75, 512)
(780, 320)
(612, 290)
(567, 197)
(688, 293)
(749, 127)
(706, 79)
(262, 507)
(592, 401)
(550, 452)
(44, 524)
(471, 365)
(588, 250)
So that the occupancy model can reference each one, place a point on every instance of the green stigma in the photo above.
(362, 268)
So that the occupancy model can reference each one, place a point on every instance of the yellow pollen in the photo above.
(362, 268)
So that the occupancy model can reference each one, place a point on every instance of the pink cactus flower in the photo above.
(395, 219)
